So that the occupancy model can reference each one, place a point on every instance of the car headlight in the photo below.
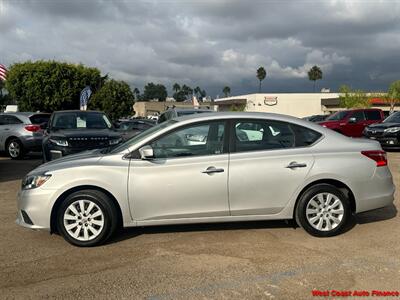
(393, 129)
(59, 142)
(115, 141)
(34, 181)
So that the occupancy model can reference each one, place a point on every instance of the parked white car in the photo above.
(216, 167)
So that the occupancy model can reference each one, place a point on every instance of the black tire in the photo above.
(15, 149)
(108, 210)
(308, 196)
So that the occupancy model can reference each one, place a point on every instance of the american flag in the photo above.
(84, 98)
(3, 72)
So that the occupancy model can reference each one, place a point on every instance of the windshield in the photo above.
(141, 136)
(340, 115)
(393, 118)
(80, 120)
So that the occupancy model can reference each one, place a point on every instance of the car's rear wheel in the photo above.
(323, 210)
(87, 218)
(15, 149)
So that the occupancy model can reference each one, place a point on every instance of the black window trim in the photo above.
(232, 140)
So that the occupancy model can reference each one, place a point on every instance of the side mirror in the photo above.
(146, 152)
(43, 126)
(352, 120)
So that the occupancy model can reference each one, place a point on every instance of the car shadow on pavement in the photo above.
(377, 215)
(128, 233)
(16, 169)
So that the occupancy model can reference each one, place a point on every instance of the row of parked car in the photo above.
(67, 132)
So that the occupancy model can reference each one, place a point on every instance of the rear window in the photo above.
(39, 118)
(373, 114)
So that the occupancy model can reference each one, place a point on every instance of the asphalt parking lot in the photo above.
(253, 260)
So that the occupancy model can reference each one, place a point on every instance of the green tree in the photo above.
(50, 85)
(353, 98)
(197, 91)
(187, 91)
(179, 96)
(314, 74)
(226, 90)
(393, 95)
(154, 91)
(115, 98)
(176, 87)
(261, 74)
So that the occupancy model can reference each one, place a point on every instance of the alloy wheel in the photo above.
(14, 149)
(83, 220)
(324, 211)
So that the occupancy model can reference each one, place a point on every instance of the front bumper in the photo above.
(53, 152)
(386, 140)
(34, 208)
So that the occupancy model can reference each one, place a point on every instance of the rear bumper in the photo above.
(32, 143)
(377, 192)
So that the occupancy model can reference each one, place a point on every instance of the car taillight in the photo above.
(32, 128)
(377, 155)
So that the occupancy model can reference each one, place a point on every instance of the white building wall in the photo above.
(294, 104)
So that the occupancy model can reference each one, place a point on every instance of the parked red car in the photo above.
(352, 122)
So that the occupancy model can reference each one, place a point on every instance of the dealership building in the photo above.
(294, 104)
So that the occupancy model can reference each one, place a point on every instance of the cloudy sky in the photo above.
(212, 43)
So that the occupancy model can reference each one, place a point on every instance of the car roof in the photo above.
(190, 109)
(77, 110)
(245, 115)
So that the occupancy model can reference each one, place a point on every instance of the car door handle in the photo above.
(294, 165)
(211, 170)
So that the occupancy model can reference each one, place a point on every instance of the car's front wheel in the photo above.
(87, 218)
(323, 210)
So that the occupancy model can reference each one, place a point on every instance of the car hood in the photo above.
(383, 125)
(80, 159)
(86, 133)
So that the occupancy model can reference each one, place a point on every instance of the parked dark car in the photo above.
(20, 132)
(387, 133)
(130, 128)
(316, 118)
(352, 122)
(71, 132)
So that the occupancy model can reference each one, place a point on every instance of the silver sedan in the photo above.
(217, 167)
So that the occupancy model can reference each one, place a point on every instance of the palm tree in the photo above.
(226, 90)
(176, 87)
(136, 92)
(261, 74)
(315, 74)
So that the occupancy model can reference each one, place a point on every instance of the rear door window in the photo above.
(358, 115)
(11, 120)
(257, 135)
(373, 115)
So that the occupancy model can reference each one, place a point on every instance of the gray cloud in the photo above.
(211, 43)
